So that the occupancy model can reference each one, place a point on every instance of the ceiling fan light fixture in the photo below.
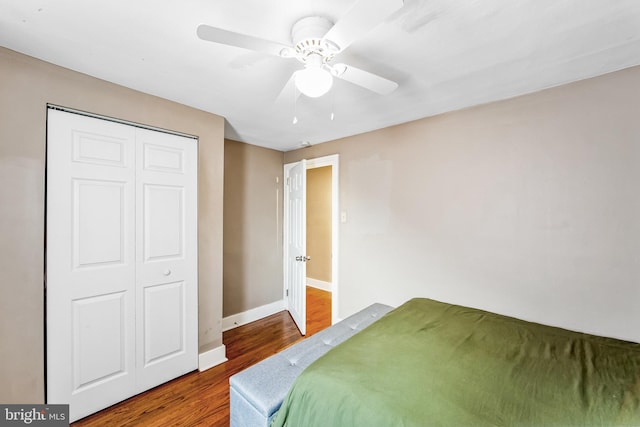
(313, 81)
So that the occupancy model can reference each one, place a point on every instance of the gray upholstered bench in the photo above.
(257, 392)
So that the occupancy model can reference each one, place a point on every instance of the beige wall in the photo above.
(319, 223)
(26, 86)
(528, 207)
(252, 227)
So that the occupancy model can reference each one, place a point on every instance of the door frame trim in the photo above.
(332, 160)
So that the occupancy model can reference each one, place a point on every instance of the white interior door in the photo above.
(166, 261)
(118, 219)
(295, 242)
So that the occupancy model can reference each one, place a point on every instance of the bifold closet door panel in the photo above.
(166, 269)
(90, 262)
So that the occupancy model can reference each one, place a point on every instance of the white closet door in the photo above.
(166, 267)
(90, 262)
(121, 260)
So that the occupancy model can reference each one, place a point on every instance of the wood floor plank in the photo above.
(202, 398)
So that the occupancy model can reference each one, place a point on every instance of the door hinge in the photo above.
(287, 293)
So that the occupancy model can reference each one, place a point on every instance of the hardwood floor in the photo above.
(318, 310)
(202, 398)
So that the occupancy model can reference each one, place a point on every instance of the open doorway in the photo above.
(331, 190)
(318, 248)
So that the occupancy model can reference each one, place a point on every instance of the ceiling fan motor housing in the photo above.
(307, 36)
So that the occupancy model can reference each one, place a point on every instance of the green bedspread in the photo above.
(432, 364)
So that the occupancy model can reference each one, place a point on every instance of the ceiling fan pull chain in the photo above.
(333, 104)
(295, 105)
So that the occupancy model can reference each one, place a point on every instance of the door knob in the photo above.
(307, 258)
(166, 272)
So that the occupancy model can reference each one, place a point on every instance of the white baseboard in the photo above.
(252, 315)
(315, 283)
(212, 358)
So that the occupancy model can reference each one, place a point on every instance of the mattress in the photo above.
(428, 363)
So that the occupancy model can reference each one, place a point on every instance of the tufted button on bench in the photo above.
(257, 392)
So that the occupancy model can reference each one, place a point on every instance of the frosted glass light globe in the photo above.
(314, 81)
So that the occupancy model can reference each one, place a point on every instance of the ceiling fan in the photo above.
(316, 41)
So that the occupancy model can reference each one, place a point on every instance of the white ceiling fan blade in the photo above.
(363, 16)
(230, 38)
(367, 80)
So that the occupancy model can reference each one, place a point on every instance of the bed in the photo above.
(428, 363)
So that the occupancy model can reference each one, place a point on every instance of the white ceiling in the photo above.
(444, 54)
